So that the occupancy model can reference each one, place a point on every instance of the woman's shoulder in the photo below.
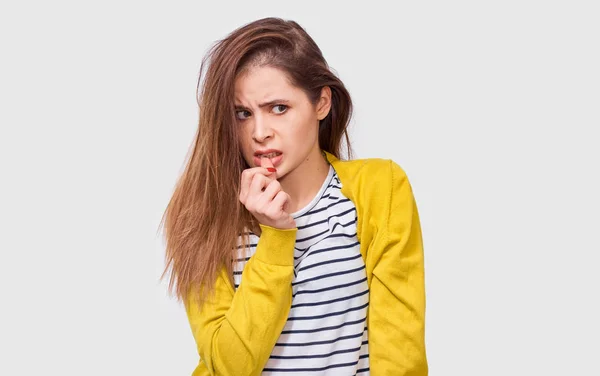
(369, 172)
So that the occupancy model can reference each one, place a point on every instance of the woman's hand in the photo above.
(262, 195)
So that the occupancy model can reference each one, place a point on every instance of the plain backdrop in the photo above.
(492, 109)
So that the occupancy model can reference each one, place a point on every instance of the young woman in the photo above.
(290, 260)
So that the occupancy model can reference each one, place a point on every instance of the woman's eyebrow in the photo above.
(265, 104)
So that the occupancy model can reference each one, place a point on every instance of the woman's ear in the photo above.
(324, 103)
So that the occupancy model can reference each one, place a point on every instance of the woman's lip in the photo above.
(275, 160)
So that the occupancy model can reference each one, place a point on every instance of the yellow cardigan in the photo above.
(235, 332)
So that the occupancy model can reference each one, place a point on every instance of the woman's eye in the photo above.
(280, 108)
(242, 114)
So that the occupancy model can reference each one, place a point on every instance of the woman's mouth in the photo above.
(270, 155)
(275, 158)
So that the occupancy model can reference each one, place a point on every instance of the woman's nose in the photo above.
(262, 129)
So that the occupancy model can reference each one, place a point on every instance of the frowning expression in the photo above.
(277, 118)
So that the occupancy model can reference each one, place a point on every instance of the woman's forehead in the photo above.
(264, 84)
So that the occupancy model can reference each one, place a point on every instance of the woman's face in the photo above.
(277, 118)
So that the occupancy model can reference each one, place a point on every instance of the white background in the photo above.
(492, 109)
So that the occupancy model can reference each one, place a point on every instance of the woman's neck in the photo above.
(304, 182)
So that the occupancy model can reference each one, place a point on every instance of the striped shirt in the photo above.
(326, 330)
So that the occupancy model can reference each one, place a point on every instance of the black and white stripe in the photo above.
(326, 331)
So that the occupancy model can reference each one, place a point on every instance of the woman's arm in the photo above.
(236, 331)
(397, 292)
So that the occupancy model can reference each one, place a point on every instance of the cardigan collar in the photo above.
(339, 169)
(347, 171)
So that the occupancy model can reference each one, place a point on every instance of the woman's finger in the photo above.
(257, 186)
(269, 193)
(279, 203)
(246, 180)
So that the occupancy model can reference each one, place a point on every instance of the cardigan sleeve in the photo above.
(235, 331)
(397, 303)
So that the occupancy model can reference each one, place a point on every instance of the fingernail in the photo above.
(271, 169)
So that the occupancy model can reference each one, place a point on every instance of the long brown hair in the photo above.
(204, 218)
